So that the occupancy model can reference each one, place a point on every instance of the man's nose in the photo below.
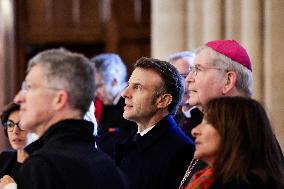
(189, 78)
(19, 98)
(125, 92)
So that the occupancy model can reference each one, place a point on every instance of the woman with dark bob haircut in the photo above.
(236, 140)
(10, 161)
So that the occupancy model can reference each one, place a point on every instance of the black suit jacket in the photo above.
(159, 159)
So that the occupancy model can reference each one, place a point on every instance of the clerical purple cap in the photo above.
(233, 50)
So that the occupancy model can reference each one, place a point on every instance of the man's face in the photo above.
(104, 91)
(140, 105)
(207, 83)
(36, 103)
(183, 66)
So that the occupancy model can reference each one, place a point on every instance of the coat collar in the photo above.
(155, 133)
(64, 129)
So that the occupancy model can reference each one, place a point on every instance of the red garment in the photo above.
(202, 179)
(98, 109)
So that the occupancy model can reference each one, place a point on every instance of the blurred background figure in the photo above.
(236, 140)
(111, 75)
(10, 161)
(187, 116)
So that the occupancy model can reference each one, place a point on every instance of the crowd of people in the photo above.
(188, 122)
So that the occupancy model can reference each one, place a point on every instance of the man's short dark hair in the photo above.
(172, 81)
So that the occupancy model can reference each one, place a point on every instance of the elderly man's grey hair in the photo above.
(110, 66)
(181, 55)
(68, 71)
(244, 75)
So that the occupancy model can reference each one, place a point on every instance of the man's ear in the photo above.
(61, 99)
(164, 100)
(230, 81)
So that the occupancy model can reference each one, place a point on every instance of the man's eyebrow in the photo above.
(134, 83)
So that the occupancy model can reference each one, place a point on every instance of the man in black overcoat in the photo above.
(157, 154)
(55, 95)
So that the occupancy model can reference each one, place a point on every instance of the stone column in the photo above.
(251, 38)
(273, 65)
(168, 27)
(7, 58)
(212, 20)
(232, 19)
(194, 26)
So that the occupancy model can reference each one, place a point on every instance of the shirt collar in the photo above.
(187, 113)
(145, 131)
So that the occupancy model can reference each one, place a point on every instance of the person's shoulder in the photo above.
(101, 158)
(36, 165)
(42, 171)
(178, 136)
(7, 158)
(7, 154)
(37, 158)
(180, 144)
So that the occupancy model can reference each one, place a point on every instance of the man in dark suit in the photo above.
(158, 154)
(55, 95)
(111, 75)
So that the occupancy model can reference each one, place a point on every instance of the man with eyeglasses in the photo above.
(221, 68)
(57, 92)
(187, 116)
